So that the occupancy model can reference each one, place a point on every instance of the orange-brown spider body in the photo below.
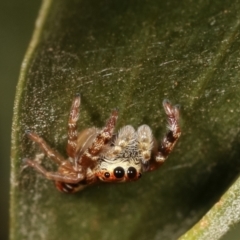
(101, 155)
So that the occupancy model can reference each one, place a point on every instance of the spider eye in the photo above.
(118, 172)
(107, 174)
(131, 172)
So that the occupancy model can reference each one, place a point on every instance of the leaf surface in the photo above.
(130, 55)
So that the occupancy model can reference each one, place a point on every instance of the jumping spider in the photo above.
(100, 155)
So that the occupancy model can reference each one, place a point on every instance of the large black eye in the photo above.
(131, 172)
(119, 172)
(107, 174)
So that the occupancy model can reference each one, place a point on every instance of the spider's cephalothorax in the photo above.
(100, 155)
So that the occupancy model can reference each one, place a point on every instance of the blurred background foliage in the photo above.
(17, 19)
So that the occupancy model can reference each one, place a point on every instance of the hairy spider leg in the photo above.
(52, 154)
(73, 177)
(72, 127)
(89, 156)
(171, 137)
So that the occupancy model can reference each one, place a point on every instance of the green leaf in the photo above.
(130, 55)
(220, 219)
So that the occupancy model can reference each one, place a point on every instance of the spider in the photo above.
(101, 155)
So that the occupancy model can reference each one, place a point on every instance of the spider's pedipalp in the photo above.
(145, 142)
(125, 135)
(125, 138)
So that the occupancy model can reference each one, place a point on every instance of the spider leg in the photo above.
(100, 140)
(72, 177)
(171, 137)
(72, 127)
(52, 154)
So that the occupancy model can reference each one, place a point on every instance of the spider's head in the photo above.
(119, 171)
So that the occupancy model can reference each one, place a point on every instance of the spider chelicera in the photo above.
(101, 155)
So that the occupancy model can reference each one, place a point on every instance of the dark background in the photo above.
(17, 19)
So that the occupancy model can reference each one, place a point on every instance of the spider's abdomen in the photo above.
(85, 139)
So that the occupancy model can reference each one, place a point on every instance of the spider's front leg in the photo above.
(72, 127)
(90, 156)
(72, 136)
(171, 137)
(52, 154)
(65, 173)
